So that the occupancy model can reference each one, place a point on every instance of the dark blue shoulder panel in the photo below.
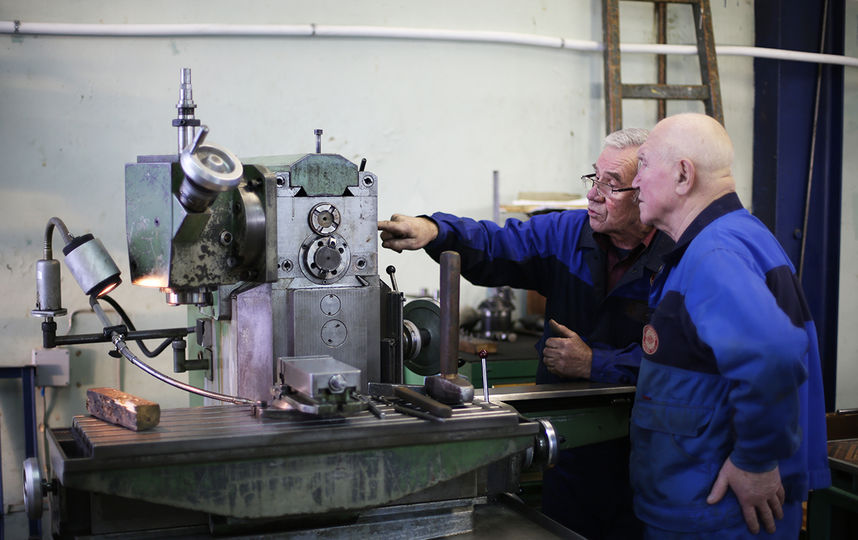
(788, 293)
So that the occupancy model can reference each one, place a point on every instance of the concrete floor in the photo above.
(16, 526)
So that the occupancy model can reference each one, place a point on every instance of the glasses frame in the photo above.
(591, 179)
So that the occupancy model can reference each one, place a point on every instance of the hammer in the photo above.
(449, 387)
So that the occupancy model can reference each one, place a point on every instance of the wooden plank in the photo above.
(123, 409)
(665, 91)
(611, 55)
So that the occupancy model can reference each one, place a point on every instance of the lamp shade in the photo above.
(91, 265)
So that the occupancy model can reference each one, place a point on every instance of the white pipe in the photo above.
(379, 32)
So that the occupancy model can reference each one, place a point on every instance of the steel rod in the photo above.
(451, 265)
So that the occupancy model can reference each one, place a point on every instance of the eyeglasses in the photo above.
(606, 190)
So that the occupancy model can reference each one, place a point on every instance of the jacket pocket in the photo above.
(670, 464)
(682, 420)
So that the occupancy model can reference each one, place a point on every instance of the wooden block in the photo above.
(473, 345)
(123, 409)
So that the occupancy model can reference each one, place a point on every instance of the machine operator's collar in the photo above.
(719, 207)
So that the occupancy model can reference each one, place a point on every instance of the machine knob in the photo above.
(337, 384)
(390, 271)
(209, 170)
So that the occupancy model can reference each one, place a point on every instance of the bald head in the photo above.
(698, 138)
(684, 165)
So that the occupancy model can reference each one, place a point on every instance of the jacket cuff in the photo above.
(602, 368)
(752, 465)
(442, 233)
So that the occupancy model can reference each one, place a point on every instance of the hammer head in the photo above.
(450, 389)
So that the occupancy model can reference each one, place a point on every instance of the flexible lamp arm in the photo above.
(118, 340)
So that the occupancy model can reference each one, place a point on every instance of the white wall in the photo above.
(433, 120)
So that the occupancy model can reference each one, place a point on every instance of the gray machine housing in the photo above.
(289, 260)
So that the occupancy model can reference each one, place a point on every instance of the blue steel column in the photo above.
(27, 374)
(784, 100)
(28, 382)
(2, 503)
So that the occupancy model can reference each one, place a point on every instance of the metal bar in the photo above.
(2, 504)
(485, 376)
(665, 91)
(134, 335)
(5, 373)
(28, 380)
(27, 374)
(451, 267)
(509, 394)
(436, 408)
(816, 104)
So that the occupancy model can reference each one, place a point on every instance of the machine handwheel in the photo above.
(547, 445)
(425, 315)
(33, 493)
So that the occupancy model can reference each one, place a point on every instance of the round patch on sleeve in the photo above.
(650, 340)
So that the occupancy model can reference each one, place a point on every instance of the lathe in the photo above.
(292, 327)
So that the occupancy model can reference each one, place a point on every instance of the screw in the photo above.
(337, 384)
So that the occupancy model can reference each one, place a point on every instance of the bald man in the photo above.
(728, 427)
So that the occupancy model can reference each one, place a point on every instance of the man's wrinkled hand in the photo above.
(566, 354)
(761, 495)
(407, 232)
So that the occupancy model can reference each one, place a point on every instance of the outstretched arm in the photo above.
(407, 232)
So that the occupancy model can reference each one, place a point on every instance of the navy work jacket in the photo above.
(731, 369)
(557, 255)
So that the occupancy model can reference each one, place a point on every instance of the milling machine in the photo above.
(277, 261)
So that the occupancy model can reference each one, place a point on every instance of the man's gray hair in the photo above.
(625, 138)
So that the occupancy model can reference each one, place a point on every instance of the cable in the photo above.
(127, 320)
(812, 145)
(119, 342)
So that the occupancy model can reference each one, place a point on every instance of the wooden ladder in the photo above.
(709, 91)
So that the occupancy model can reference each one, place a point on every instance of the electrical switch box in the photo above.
(52, 366)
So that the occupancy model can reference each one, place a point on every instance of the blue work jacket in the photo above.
(557, 255)
(731, 369)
